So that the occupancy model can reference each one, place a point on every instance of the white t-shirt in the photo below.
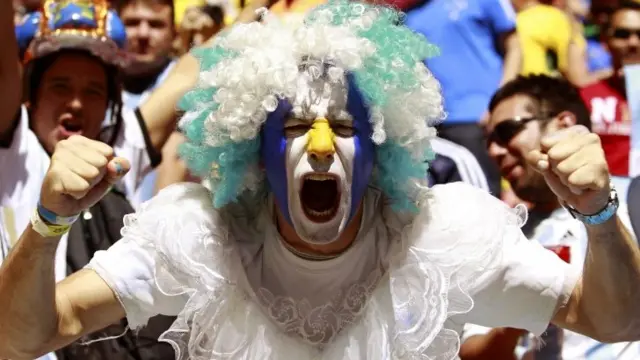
(421, 277)
(25, 164)
(131, 101)
(561, 229)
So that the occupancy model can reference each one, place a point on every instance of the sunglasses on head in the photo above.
(624, 33)
(508, 129)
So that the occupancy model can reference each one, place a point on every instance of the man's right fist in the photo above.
(80, 173)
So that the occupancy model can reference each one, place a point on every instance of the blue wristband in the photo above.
(53, 219)
(601, 216)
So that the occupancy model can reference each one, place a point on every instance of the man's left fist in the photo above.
(574, 166)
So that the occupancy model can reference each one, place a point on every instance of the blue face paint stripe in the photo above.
(364, 158)
(273, 151)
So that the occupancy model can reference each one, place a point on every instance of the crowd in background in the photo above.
(511, 71)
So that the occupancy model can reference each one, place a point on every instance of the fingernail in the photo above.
(119, 169)
(543, 164)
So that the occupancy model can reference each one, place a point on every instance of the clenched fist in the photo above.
(574, 166)
(80, 173)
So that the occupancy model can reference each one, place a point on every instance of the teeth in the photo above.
(319, 177)
(318, 213)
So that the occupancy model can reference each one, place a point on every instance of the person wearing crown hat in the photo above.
(72, 53)
(320, 238)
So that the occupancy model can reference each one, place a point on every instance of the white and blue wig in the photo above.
(250, 68)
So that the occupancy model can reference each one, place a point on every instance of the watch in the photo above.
(601, 216)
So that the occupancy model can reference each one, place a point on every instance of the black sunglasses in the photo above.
(624, 33)
(507, 130)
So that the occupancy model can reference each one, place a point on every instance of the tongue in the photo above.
(319, 195)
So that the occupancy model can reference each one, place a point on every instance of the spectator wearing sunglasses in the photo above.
(606, 99)
(522, 112)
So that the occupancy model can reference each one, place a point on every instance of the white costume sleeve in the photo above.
(524, 292)
(517, 283)
(177, 217)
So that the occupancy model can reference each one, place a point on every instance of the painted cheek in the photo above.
(274, 156)
(364, 158)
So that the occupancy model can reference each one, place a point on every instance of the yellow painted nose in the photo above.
(320, 145)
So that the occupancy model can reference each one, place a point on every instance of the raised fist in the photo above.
(574, 166)
(80, 174)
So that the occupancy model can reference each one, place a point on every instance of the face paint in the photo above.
(273, 152)
(317, 151)
(365, 149)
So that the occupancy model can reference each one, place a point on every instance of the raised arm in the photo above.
(604, 303)
(159, 110)
(10, 77)
(36, 315)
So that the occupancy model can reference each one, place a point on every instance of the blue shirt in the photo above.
(469, 66)
(598, 57)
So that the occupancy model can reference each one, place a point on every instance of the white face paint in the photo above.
(319, 160)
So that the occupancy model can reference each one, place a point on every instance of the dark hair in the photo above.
(549, 95)
(215, 12)
(620, 5)
(121, 4)
(36, 69)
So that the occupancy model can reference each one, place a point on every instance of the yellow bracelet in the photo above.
(47, 230)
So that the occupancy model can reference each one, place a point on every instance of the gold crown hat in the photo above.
(73, 24)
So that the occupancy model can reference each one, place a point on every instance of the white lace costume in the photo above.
(421, 265)
(222, 273)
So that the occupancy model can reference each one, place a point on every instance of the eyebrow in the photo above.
(98, 86)
(93, 84)
(59, 79)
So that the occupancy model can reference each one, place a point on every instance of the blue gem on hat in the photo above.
(77, 15)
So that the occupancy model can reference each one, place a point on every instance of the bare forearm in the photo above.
(577, 71)
(497, 344)
(28, 316)
(611, 283)
(512, 58)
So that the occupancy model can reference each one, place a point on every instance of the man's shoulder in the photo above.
(464, 203)
(461, 193)
(180, 198)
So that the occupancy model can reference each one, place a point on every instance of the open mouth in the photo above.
(320, 196)
(71, 127)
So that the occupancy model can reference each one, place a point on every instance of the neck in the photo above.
(140, 76)
(342, 243)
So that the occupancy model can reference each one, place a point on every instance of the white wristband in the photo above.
(47, 230)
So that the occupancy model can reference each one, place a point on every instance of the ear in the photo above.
(565, 120)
